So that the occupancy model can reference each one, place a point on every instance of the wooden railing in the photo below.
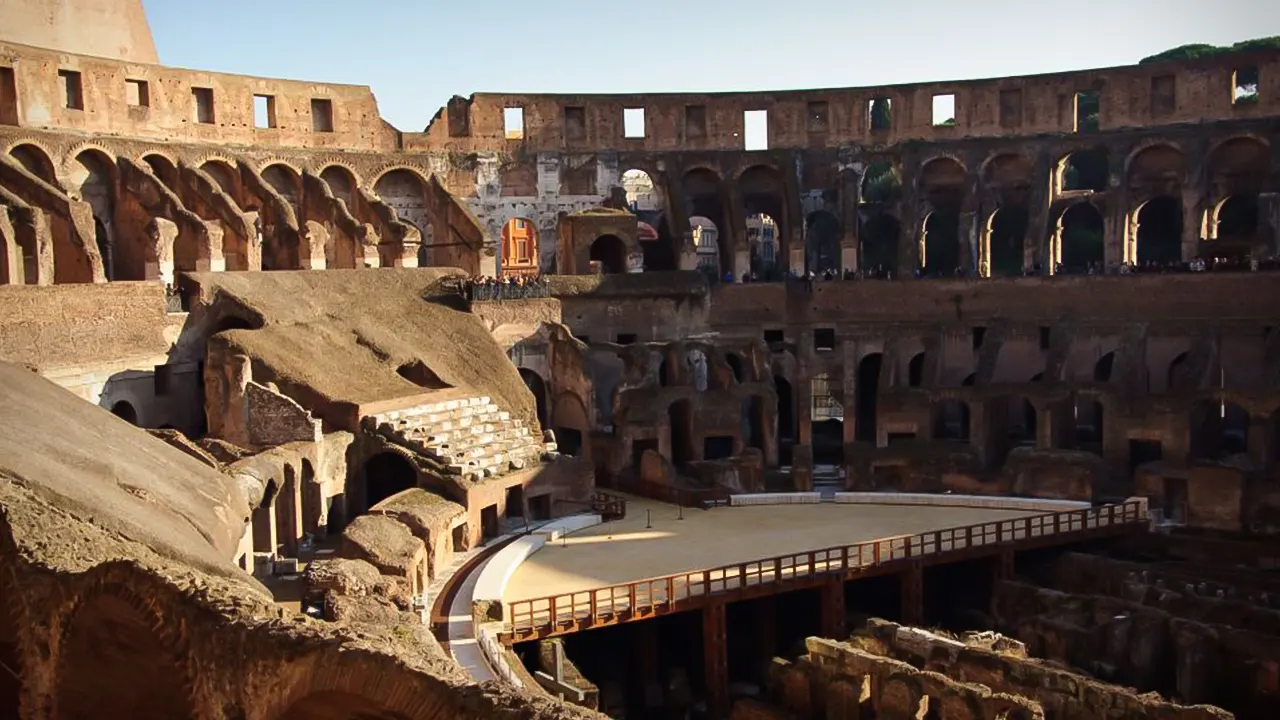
(608, 506)
(539, 617)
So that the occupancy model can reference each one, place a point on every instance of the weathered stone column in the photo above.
(158, 263)
(912, 580)
(715, 657)
(832, 609)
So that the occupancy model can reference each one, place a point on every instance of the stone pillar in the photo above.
(715, 658)
(765, 618)
(1269, 219)
(912, 580)
(647, 663)
(832, 609)
(311, 244)
(158, 263)
(217, 259)
(264, 529)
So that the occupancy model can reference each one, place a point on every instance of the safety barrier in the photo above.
(566, 612)
(991, 502)
(799, 498)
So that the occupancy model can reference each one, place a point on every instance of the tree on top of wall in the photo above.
(1196, 51)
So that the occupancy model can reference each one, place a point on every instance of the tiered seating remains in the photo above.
(469, 437)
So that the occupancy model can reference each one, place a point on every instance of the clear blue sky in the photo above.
(417, 53)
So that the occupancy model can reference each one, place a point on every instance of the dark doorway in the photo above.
(385, 475)
(460, 534)
(335, 513)
(569, 441)
(1008, 231)
(1102, 369)
(611, 253)
(1160, 231)
(1142, 452)
(639, 448)
(1082, 238)
(868, 397)
(915, 370)
(679, 416)
(540, 507)
(753, 422)
(822, 243)
(124, 410)
(828, 442)
(717, 447)
(879, 243)
(515, 501)
(786, 419)
(734, 361)
(951, 421)
(941, 244)
(1176, 496)
(490, 526)
(534, 382)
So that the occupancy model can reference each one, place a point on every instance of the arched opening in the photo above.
(164, 169)
(915, 370)
(1179, 378)
(878, 243)
(697, 362)
(1160, 231)
(113, 662)
(93, 178)
(1088, 424)
(734, 361)
(703, 199)
(868, 397)
(225, 176)
(1022, 422)
(36, 162)
(610, 254)
(941, 256)
(648, 203)
(951, 421)
(822, 243)
(1084, 170)
(1236, 229)
(763, 191)
(706, 245)
(762, 240)
(386, 474)
(881, 183)
(1220, 429)
(827, 421)
(332, 705)
(1102, 369)
(680, 420)
(642, 193)
(753, 422)
(124, 410)
(538, 387)
(1081, 231)
(340, 181)
(285, 181)
(1008, 232)
(519, 247)
(786, 418)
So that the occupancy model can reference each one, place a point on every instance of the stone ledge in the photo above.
(567, 525)
(487, 597)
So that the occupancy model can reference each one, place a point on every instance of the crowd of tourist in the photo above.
(508, 287)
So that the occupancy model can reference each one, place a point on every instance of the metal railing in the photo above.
(608, 506)
(686, 497)
(538, 617)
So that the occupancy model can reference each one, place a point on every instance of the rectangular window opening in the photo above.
(979, 334)
(1011, 108)
(321, 115)
(695, 121)
(819, 116)
(626, 338)
(264, 111)
(137, 93)
(755, 130)
(162, 380)
(204, 104)
(585, 339)
(633, 122)
(575, 123)
(824, 339)
(513, 123)
(1045, 335)
(1163, 95)
(1244, 86)
(1087, 107)
(880, 114)
(944, 110)
(8, 97)
(774, 337)
(72, 90)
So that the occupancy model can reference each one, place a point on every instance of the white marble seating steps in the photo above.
(468, 436)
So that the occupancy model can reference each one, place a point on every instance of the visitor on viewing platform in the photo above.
(519, 287)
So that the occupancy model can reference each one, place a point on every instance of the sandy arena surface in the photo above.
(624, 550)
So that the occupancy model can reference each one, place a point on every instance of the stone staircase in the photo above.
(468, 437)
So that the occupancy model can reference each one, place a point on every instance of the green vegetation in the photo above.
(881, 114)
(1200, 50)
(881, 183)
